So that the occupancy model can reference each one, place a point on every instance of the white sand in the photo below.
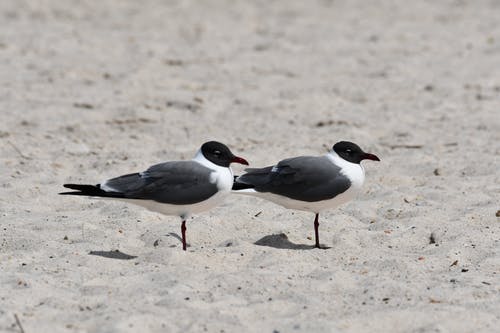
(94, 89)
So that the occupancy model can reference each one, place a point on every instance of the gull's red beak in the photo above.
(239, 160)
(370, 157)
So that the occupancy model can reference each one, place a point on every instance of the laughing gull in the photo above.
(309, 183)
(177, 188)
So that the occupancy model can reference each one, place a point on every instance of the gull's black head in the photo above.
(220, 154)
(351, 152)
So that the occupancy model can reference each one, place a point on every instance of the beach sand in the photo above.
(94, 89)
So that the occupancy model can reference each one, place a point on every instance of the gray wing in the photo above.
(180, 183)
(304, 178)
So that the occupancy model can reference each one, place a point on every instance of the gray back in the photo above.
(304, 178)
(181, 183)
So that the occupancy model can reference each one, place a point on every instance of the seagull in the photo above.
(179, 188)
(309, 183)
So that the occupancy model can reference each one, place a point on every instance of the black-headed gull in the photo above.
(309, 183)
(179, 188)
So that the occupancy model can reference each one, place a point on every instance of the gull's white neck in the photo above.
(200, 158)
(223, 176)
(355, 172)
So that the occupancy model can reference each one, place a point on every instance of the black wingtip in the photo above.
(84, 188)
(81, 187)
(241, 186)
(89, 190)
(72, 193)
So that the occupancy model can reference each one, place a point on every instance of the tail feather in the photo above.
(90, 190)
(241, 186)
(253, 178)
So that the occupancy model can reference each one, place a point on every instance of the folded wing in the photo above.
(304, 178)
(180, 183)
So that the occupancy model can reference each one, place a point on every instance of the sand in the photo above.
(95, 89)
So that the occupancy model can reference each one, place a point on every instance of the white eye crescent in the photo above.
(217, 152)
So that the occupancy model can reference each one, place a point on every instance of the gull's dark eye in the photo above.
(348, 150)
(217, 152)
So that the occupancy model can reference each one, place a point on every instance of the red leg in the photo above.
(183, 231)
(316, 231)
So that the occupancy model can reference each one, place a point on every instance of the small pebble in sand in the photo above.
(432, 238)
(83, 105)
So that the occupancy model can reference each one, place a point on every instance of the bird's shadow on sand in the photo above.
(280, 241)
(116, 254)
(173, 234)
